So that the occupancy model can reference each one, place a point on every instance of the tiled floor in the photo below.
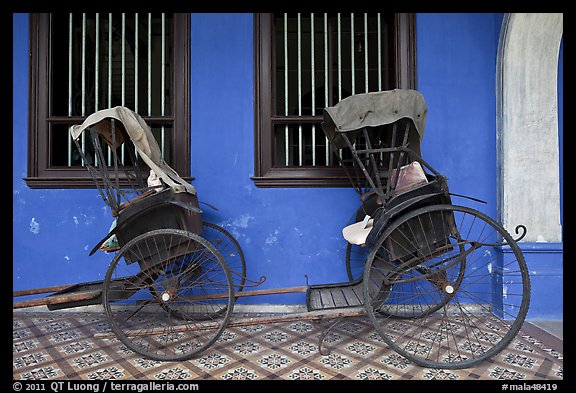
(60, 345)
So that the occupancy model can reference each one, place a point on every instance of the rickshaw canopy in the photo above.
(131, 124)
(373, 109)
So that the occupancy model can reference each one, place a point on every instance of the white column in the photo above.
(529, 184)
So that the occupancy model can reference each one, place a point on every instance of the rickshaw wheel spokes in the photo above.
(454, 298)
(178, 305)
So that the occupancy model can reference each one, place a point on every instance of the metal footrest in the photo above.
(334, 296)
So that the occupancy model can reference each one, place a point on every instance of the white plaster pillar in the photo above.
(529, 184)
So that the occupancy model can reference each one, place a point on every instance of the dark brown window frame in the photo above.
(40, 174)
(265, 174)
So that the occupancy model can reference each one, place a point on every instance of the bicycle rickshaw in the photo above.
(443, 285)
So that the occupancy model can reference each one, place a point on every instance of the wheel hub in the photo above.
(168, 295)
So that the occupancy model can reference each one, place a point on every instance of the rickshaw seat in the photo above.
(410, 176)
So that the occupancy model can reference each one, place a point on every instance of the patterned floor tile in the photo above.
(32, 359)
(61, 345)
(373, 374)
(174, 373)
(212, 361)
(336, 361)
(47, 372)
(240, 374)
(274, 361)
(108, 373)
(306, 374)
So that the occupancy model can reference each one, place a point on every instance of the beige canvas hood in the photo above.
(374, 109)
(140, 134)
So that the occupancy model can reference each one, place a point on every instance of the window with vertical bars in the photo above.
(306, 62)
(85, 62)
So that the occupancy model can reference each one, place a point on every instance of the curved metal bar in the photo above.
(518, 228)
(183, 206)
(209, 205)
(99, 244)
(255, 283)
(524, 231)
(467, 197)
(323, 335)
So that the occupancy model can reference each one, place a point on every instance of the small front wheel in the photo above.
(168, 294)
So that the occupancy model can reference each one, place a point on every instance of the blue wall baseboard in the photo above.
(545, 266)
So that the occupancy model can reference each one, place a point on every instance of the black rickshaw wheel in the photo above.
(442, 250)
(230, 249)
(164, 293)
(355, 261)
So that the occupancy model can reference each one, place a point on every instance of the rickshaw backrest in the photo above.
(377, 135)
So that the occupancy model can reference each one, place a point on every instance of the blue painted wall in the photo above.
(53, 230)
(285, 233)
(457, 76)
